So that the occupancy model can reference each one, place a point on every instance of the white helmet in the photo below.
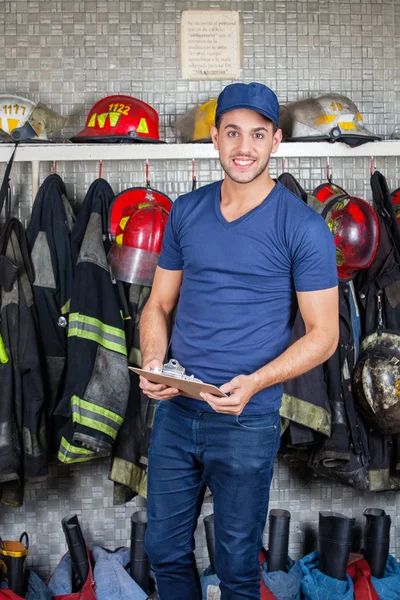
(22, 119)
(329, 117)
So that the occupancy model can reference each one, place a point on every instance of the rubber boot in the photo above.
(14, 555)
(376, 540)
(335, 540)
(140, 564)
(210, 538)
(77, 550)
(278, 539)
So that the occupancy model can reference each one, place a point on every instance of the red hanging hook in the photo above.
(194, 180)
(328, 171)
(100, 169)
(283, 165)
(372, 166)
(54, 166)
(147, 173)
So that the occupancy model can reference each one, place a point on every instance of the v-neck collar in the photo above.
(248, 214)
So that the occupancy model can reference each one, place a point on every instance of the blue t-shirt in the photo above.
(237, 300)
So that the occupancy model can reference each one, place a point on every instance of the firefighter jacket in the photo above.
(378, 287)
(23, 442)
(344, 456)
(49, 240)
(129, 465)
(319, 405)
(95, 394)
(378, 292)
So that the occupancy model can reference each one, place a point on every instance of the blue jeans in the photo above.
(234, 456)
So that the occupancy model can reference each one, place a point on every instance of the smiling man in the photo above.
(239, 256)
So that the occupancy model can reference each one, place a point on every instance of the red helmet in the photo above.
(325, 191)
(396, 203)
(355, 229)
(137, 221)
(118, 119)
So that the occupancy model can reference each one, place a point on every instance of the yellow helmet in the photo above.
(196, 124)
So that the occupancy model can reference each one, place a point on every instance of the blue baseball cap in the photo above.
(253, 96)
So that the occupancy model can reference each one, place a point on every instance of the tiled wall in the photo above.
(70, 54)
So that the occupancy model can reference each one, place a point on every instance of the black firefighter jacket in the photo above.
(49, 240)
(378, 290)
(95, 394)
(23, 445)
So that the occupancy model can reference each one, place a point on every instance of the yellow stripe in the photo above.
(70, 449)
(97, 323)
(66, 307)
(97, 409)
(123, 222)
(77, 418)
(324, 119)
(14, 554)
(346, 125)
(95, 337)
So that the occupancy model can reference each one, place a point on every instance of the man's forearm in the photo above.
(305, 354)
(155, 327)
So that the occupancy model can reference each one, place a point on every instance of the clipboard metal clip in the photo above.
(174, 369)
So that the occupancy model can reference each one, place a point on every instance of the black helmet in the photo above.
(377, 381)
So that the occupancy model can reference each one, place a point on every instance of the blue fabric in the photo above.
(234, 456)
(237, 300)
(113, 582)
(355, 319)
(254, 96)
(388, 587)
(61, 580)
(36, 588)
(208, 577)
(317, 586)
(284, 585)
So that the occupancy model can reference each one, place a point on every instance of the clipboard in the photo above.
(187, 388)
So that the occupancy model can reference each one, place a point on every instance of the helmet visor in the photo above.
(133, 265)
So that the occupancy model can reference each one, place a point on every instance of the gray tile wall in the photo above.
(70, 54)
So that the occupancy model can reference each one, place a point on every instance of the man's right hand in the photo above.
(157, 391)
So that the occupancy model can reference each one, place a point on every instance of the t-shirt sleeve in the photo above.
(171, 254)
(314, 256)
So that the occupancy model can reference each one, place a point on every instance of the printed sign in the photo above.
(211, 44)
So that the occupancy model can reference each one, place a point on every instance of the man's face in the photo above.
(245, 141)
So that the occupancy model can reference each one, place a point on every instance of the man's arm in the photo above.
(155, 328)
(320, 314)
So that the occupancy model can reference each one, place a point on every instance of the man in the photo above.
(238, 256)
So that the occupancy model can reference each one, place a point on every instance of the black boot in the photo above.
(210, 537)
(77, 550)
(13, 554)
(140, 565)
(278, 539)
(376, 540)
(335, 541)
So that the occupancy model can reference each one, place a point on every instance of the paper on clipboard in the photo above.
(190, 389)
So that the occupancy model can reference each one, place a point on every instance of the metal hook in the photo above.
(328, 170)
(100, 169)
(372, 166)
(194, 180)
(147, 173)
(54, 166)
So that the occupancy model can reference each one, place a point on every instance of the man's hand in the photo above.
(241, 389)
(157, 391)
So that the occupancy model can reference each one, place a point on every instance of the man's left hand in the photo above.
(240, 388)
